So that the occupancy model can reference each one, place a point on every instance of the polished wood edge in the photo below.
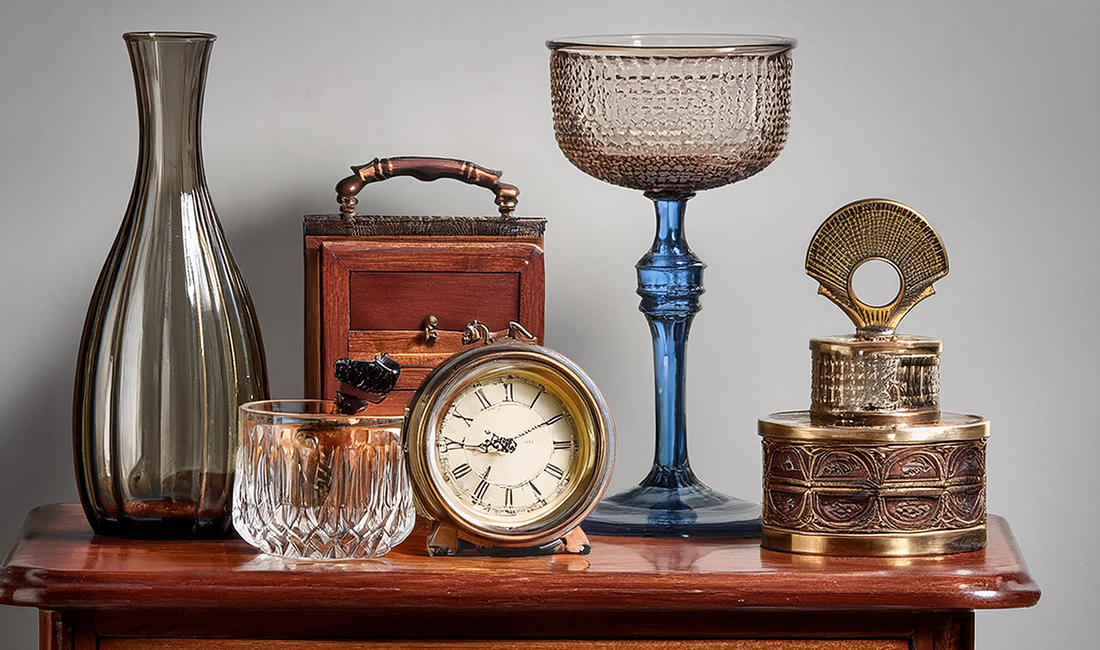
(1022, 578)
(570, 589)
(312, 330)
(334, 285)
(12, 577)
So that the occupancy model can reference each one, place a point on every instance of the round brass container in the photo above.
(889, 490)
(859, 381)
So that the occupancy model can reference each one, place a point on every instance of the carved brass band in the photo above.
(869, 497)
(875, 489)
(875, 381)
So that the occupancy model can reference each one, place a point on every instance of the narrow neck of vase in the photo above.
(170, 76)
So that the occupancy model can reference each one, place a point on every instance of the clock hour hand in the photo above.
(493, 442)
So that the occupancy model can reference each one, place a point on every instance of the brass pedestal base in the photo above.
(938, 542)
(445, 539)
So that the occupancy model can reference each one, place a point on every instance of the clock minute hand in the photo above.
(543, 424)
(530, 430)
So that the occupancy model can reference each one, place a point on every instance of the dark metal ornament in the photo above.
(364, 382)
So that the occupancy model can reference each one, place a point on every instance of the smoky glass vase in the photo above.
(171, 346)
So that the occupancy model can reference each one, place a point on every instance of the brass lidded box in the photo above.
(874, 467)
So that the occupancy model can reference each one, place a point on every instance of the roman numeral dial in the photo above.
(507, 447)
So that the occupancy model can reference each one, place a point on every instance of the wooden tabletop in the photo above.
(58, 563)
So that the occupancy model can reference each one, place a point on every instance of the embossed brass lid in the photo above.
(875, 376)
(798, 425)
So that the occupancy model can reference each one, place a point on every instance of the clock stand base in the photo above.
(445, 540)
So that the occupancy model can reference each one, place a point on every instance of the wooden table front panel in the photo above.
(736, 644)
(382, 630)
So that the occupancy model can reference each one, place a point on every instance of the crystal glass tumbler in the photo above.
(671, 114)
(315, 484)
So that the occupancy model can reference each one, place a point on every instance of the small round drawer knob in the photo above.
(430, 333)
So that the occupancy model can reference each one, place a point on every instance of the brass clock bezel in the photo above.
(580, 396)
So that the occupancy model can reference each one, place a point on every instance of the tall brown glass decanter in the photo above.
(171, 345)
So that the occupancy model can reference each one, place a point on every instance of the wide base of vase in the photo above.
(692, 510)
(151, 525)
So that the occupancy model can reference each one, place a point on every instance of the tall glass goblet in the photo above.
(671, 114)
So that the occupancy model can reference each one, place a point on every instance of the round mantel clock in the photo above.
(510, 446)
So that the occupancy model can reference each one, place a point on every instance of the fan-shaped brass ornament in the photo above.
(876, 229)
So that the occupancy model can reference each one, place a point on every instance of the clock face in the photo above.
(507, 448)
(509, 444)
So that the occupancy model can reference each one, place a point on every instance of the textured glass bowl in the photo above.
(671, 113)
(314, 484)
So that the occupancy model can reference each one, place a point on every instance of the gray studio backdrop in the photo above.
(982, 115)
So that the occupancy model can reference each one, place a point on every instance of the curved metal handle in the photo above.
(424, 169)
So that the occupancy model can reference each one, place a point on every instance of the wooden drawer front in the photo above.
(639, 644)
(376, 295)
(389, 300)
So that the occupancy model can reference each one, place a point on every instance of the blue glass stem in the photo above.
(670, 281)
(671, 501)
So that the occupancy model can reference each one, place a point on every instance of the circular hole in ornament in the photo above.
(875, 282)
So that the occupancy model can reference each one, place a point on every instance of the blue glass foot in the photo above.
(687, 511)
(671, 502)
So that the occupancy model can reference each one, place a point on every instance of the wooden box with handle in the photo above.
(408, 285)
